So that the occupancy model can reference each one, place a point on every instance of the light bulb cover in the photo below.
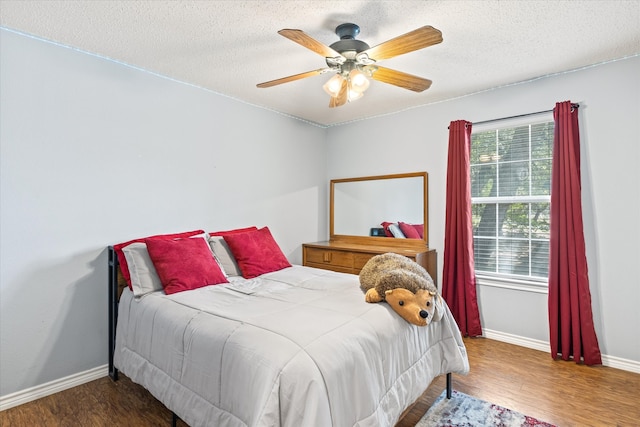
(358, 81)
(333, 85)
(354, 95)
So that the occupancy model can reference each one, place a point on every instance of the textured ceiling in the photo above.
(230, 46)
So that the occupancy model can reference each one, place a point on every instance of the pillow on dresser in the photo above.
(395, 230)
(420, 229)
(385, 225)
(184, 264)
(256, 252)
(409, 230)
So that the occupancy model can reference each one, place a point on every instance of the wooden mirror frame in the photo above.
(382, 241)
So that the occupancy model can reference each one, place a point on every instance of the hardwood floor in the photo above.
(529, 381)
(525, 380)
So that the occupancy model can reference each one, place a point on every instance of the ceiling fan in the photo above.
(353, 61)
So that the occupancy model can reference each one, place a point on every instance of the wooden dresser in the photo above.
(347, 257)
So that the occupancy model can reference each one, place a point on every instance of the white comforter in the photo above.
(297, 347)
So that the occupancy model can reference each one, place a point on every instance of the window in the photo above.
(510, 197)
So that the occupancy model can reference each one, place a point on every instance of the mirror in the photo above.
(359, 204)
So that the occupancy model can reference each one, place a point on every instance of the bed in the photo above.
(297, 346)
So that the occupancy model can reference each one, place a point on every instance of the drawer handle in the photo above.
(326, 256)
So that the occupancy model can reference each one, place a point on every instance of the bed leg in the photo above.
(174, 419)
(449, 385)
(113, 309)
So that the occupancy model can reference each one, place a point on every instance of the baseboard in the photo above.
(516, 339)
(611, 361)
(620, 363)
(52, 387)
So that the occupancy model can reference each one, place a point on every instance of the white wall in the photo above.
(609, 97)
(94, 153)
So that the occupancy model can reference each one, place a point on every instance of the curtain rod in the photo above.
(520, 115)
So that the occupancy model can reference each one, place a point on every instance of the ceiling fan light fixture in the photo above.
(354, 95)
(358, 82)
(333, 85)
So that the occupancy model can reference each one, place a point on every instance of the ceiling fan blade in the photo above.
(293, 78)
(413, 40)
(341, 99)
(309, 42)
(398, 78)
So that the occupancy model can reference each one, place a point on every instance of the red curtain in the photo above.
(459, 278)
(571, 330)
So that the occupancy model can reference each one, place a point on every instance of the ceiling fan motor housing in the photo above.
(348, 46)
(348, 43)
(347, 31)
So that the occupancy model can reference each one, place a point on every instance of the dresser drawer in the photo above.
(329, 257)
(331, 267)
(351, 258)
(360, 259)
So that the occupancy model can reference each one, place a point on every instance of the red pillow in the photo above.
(124, 267)
(184, 264)
(420, 229)
(256, 252)
(385, 226)
(409, 230)
(237, 230)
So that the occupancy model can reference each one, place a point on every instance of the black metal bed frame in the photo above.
(113, 267)
(113, 318)
(113, 309)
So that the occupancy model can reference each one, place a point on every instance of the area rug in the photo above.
(466, 411)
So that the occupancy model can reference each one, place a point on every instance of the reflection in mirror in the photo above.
(360, 204)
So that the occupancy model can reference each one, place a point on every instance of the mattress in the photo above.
(296, 347)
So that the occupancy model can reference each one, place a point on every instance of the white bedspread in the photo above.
(297, 347)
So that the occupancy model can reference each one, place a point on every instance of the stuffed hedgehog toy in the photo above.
(405, 285)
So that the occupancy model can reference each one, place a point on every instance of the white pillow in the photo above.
(224, 256)
(397, 233)
(144, 278)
